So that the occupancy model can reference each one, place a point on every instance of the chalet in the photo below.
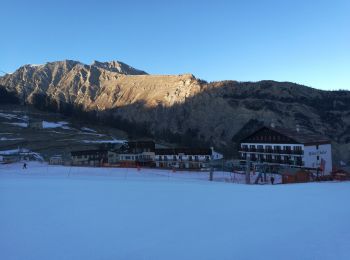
(274, 145)
(185, 158)
(90, 157)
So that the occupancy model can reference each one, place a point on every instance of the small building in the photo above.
(295, 175)
(12, 156)
(185, 158)
(288, 147)
(89, 157)
(342, 173)
(9, 158)
(56, 160)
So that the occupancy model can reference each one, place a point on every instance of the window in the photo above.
(318, 157)
(316, 146)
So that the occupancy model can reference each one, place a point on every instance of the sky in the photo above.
(302, 41)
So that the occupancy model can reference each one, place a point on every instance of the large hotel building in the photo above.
(273, 145)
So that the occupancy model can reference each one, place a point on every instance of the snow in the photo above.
(113, 141)
(18, 124)
(14, 151)
(61, 124)
(9, 139)
(57, 212)
(88, 129)
(36, 65)
(12, 116)
(8, 116)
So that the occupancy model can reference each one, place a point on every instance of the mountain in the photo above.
(119, 67)
(181, 108)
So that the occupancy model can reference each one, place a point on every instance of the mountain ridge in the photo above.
(182, 107)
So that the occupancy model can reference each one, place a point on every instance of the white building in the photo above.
(288, 147)
(185, 158)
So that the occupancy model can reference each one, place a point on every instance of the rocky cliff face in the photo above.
(184, 109)
(99, 85)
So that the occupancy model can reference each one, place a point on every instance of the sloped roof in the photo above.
(300, 137)
(186, 151)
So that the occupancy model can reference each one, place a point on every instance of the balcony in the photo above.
(271, 151)
(299, 152)
(286, 151)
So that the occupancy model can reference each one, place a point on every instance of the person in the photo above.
(272, 180)
(24, 166)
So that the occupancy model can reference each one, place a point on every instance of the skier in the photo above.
(24, 166)
(272, 180)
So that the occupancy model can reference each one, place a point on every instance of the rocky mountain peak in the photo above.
(119, 67)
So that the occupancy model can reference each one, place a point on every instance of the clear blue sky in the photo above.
(303, 41)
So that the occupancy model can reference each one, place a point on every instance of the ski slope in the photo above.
(56, 212)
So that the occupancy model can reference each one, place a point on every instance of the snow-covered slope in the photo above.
(89, 213)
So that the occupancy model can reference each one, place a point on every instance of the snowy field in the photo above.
(56, 212)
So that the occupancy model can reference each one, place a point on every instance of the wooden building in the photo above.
(296, 175)
(341, 174)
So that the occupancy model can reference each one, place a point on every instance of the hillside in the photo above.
(60, 134)
(181, 108)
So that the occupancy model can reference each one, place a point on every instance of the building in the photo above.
(56, 160)
(296, 175)
(274, 145)
(185, 158)
(342, 173)
(9, 158)
(90, 157)
(133, 154)
(144, 153)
